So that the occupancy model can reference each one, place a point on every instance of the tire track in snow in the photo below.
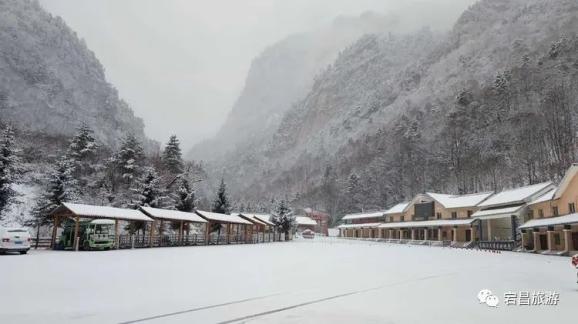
(316, 301)
(197, 309)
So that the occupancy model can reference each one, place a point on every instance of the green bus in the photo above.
(97, 234)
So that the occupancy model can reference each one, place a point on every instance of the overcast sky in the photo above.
(180, 64)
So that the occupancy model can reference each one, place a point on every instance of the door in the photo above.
(543, 242)
(468, 235)
(575, 240)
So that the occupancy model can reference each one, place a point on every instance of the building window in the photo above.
(391, 219)
(402, 218)
(470, 212)
(540, 213)
(454, 215)
(530, 214)
(555, 211)
(439, 215)
(572, 208)
(557, 238)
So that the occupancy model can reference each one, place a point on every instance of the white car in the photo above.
(14, 240)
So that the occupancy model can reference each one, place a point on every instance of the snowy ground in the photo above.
(320, 281)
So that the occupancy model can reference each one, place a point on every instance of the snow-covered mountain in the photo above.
(282, 75)
(50, 82)
(379, 81)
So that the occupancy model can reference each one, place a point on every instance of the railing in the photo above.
(497, 245)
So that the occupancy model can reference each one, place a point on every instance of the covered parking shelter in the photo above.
(236, 228)
(183, 219)
(77, 211)
(262, 226)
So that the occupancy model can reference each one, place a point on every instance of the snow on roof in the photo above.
(102, 221)
(364, 215)
(251, 218)
(399, 208)
(304, 220)
(105, 212)
(498, 212)
(551, 221)
(260, 218)
(264, 218)
(222, 218)
(459, 201)
(545, 197)
(568, 176)
(428, 223)
(517, 195)
(366, 225)
(172, 215)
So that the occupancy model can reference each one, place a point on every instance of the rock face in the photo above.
(50, 82)
(293, 132)
(281, 76)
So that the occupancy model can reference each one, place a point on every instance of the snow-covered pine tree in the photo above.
(221, 203)
(61, 188)
(148, 191)
(83, 145)
(130, 158)
(185, 200)
(172, 157)
(283, 219)
(9, 169)
(353, 201)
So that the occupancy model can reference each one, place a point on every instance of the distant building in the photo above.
(321, 218)
(305, 223)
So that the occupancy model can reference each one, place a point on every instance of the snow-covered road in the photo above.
(320, 281)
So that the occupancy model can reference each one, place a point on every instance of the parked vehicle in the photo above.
(308, 234)
(97, 234)
(14, 240)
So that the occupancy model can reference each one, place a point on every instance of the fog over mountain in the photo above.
(182, 64)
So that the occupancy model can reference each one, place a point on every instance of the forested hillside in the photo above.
(489, 105)
(50, 82)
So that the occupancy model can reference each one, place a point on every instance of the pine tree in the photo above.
(148, 191)
(9, 169)
(221, 203)
(83, 145)
(185, 200)
(282, 218)
(353, 201)
(130, 158)
(172, 158)
(61, 188)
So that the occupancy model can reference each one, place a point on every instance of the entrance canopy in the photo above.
(89, 211)
(222, 218)
(429, 223)
(499, 212)
(552, 221)
(172, 215)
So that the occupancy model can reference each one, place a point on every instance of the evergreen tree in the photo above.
(172, 158)
(61, 188)
(130, 158)
(83, 145)
(9, 169)
(185, 200)
(282, 218)
(354, 198)
(149, 192)
(221, 203)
